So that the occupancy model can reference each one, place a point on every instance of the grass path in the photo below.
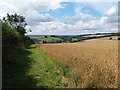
(33, 68)
(46, 70)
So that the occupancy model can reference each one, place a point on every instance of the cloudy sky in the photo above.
(61, 17)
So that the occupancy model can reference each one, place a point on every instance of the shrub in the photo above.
(53, 36)
(10, 36)
(44, 42)
(119, 38)
(11, 41)
(110, 38)
(27, 41)
(46, 36)
(13, 34)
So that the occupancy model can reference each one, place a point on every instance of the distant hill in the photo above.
(39, 39)
(115, 34)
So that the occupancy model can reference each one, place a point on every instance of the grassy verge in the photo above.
(33, 68)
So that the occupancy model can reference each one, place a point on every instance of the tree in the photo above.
(44, 42)
(30, 30)
(28, 41)
(45, 36)
(13, 37)
(119, 38)
(11, 41)
(60, 41)
(53, 36)
(16, 21)
(110, 38)
(10, 36)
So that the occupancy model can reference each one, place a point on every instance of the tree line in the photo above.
(13, 35)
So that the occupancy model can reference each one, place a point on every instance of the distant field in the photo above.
(72, 39)
(48, 39)
(36, 37)
(113, 37)
(96, 35)
(95, 62)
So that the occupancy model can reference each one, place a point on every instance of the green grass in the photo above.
(33, 68)
(48, 39)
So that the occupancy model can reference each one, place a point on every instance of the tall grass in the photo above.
(32, 68)
(95, 62)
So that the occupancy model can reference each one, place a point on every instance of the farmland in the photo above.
(40, 40)
(95, 62)
(59, 44)
(73, 38)
(32, 68)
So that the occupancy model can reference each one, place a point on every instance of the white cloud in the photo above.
(45, 24)
(98, 6)
(30, 10)
(51, 28)
(79, 17)
(34, 18)
(111, 16)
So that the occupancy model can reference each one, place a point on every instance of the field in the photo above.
(113, 37)
(40, 40)
(96, 35)
(73, 38)
(36, 37)
(95, 62)
(32, 68)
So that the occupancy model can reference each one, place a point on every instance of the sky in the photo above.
(63, 17)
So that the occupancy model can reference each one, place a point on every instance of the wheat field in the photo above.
(94, 61)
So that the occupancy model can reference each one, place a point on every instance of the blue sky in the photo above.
(60, 13)
(84, 14)
(83, 7)
(59, 17)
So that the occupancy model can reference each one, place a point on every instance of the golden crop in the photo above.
(95, 61)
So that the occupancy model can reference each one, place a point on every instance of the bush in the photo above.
(11, 41)
(119, 38)
(27, 41)
(10, 36)
(53, 36)
(46, 36)
(44, 42)
(59, 41)
(110, 38)
(13, 35)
